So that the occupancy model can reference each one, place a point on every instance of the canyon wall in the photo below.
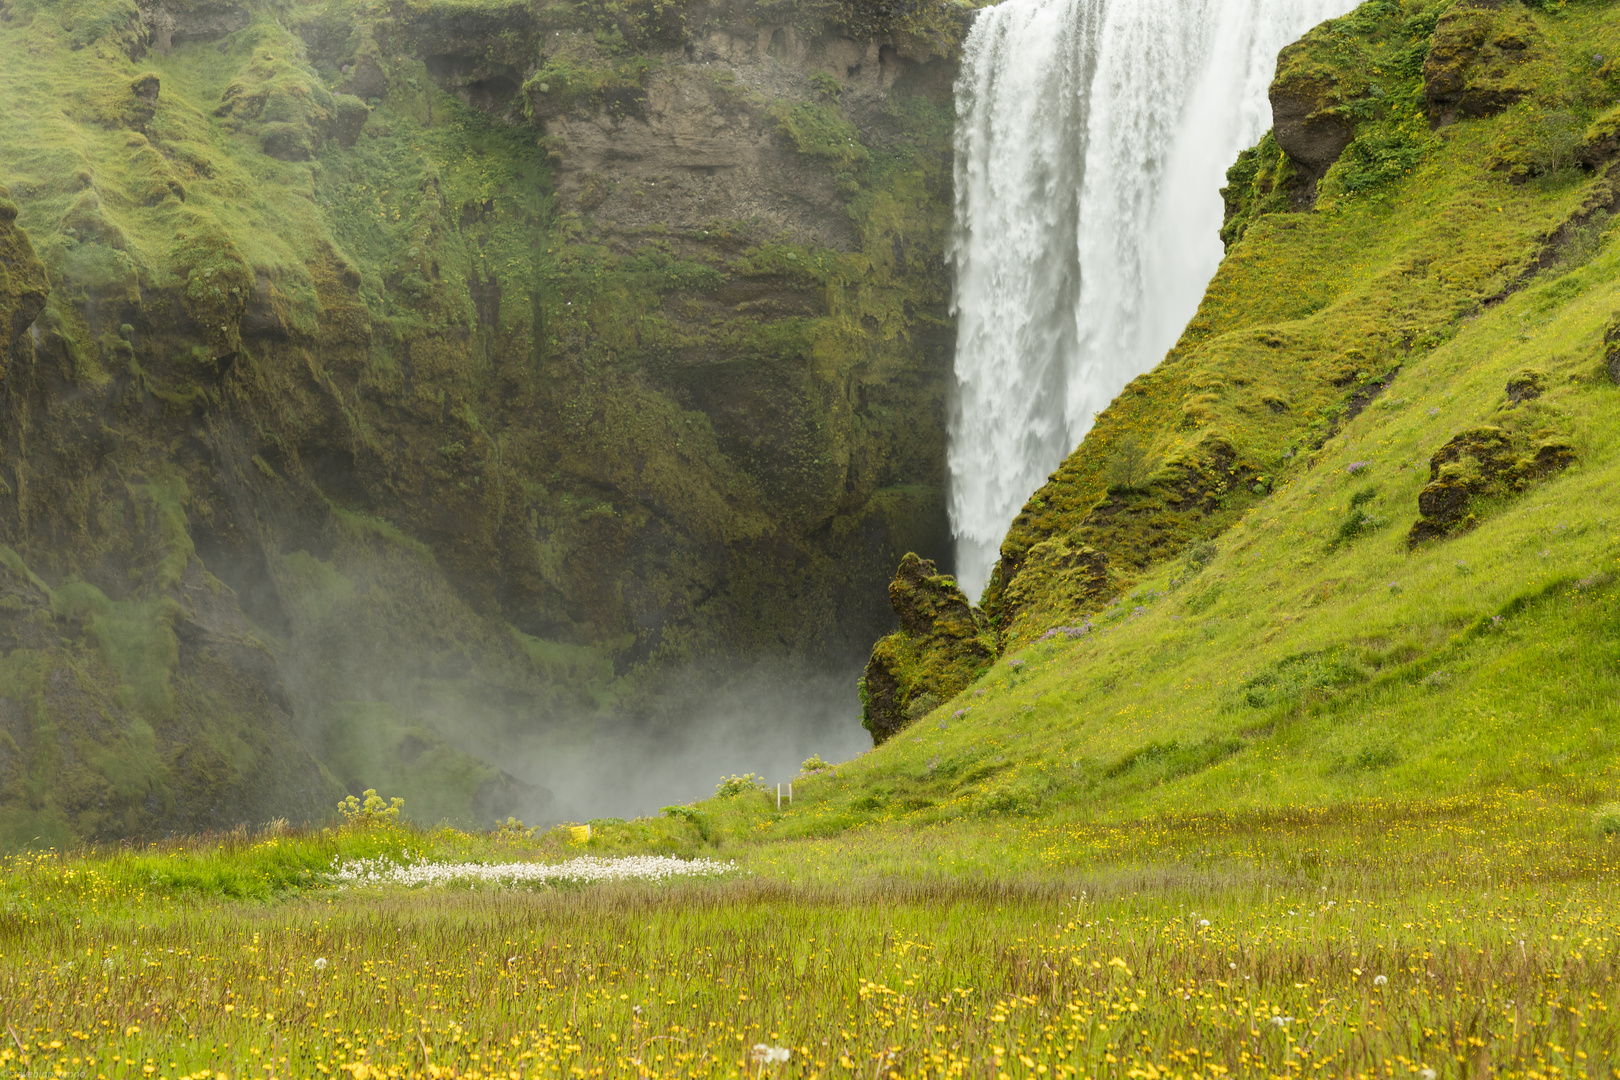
(393, 384)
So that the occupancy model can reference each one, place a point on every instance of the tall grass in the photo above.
(1461, 937)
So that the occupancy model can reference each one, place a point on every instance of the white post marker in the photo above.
(779, 796)
(790, 793)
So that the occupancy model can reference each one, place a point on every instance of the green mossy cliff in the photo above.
(24, 283)
(1429, 159)
(418, 376)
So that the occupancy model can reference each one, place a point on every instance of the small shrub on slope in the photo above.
(1606, 819)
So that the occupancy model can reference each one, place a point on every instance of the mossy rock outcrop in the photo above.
(24, 282)
(943, 643)
(1480, 463)
(1479, 62)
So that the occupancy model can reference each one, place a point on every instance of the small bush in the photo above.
(921, 705)
(736, 785)
(1381, 155)
(1606, 819)
(1358, 521)
(814, 763)
(1584, 241)
(826, 86)
(1554, 144)
(1163, 761)
(1198, 556)
(371, 812)
(1128, 466)
(1295, 679)
(685, 813)
(513, 829)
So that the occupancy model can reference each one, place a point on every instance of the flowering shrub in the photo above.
(371, 812)
(513, 829)
(736, 785)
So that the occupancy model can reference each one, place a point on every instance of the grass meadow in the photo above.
(1458, 938)
(1319, 802)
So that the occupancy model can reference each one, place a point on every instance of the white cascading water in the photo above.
(1092, 141)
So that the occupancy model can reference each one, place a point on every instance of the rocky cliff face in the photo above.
(419, 379)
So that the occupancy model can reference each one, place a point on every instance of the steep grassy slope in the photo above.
(487, 370)
(1399, 284)
(1312, 663)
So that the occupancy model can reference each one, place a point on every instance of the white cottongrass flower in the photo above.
(1203, 922)
(320, 963)
(1427, 1074)
(587, 869)
(770, 1055)
(1380, 980)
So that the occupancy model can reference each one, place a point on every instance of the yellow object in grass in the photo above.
(578, 834)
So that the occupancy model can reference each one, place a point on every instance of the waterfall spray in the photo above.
(1092, 142)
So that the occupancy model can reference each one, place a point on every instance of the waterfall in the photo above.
(1092, 140)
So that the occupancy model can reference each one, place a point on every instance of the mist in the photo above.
(472, 722)
(766, 721)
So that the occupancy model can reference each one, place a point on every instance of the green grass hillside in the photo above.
(1373, 555)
